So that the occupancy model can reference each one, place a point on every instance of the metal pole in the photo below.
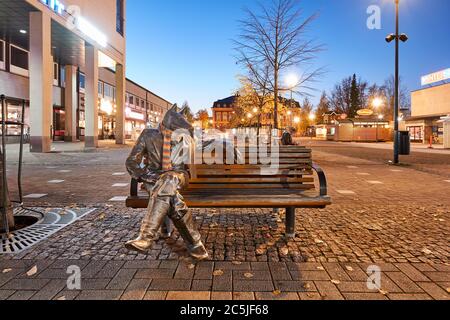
(396, 106)
(19, 174)
(4, 178)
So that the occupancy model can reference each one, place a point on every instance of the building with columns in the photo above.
(66, 58)
(430, 110)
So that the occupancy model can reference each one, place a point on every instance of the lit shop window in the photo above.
(2, 54)
(19, 61)
(108, 91)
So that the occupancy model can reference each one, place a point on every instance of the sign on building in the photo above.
(436, 77)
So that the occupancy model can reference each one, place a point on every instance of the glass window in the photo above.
(2, 54)
(108, 91)
(100, 89)
(137, 102)
(131, 99)
(19, 61)
(82, 81)
(119, 16)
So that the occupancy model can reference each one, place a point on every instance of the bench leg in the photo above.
(290, 222)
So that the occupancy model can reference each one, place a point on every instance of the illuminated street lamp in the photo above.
(397, 37)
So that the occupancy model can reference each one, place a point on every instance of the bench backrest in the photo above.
(294, 172)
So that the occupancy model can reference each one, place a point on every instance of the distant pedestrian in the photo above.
(286, 138)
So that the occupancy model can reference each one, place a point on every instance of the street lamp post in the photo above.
(397, 37)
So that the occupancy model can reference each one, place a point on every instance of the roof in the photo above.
(227, 101)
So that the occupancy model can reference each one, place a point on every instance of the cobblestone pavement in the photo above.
(394, 217)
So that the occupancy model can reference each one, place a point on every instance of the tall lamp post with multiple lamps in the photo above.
(397, 37)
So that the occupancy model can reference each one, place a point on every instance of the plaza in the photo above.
(380, 216)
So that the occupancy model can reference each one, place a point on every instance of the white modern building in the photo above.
(66, 58)
(430, 110)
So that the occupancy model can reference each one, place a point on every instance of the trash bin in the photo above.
(404, 143)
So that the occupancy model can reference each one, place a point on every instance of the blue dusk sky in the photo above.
(182, 50)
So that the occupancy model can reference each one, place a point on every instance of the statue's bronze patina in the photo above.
(164, 174)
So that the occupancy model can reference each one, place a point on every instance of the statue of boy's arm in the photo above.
(134, 160)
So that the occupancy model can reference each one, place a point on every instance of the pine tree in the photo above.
(354, 98)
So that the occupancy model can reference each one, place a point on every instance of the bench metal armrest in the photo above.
(134, 188)
(322, 179)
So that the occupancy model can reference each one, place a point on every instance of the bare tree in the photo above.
(273, 39)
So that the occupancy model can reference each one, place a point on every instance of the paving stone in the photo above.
(252, 275)
(5, 294)
(336, 272)
(364, 296)
(50, 290)
(136, 290)
(197, 296)
(434, 290)
(94, 267)
(409, 296)
(201, 285)
(26, 284)
(94, 284)
(67, 295)
(21, 295)
(99, 295)
(437, 276)
(254, 285)
(328, 290)
(110, 269)
(184, 271)
(155, 274)
(155, 295)
(406, 284)
(310, 275)
(309, 296)
(223, 282)
(170, 284)
(168, 264)
(232, 266)
(142, 264)
(243, 296)
(271, 296)
(221, 296)
(122, 279)
(295, 286)
(303, 266)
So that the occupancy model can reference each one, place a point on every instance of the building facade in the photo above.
(226, 110)
(429, 106)
(66, 58)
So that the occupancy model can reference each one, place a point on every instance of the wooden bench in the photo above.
(291, 186)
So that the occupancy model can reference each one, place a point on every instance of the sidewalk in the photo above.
(415, 147)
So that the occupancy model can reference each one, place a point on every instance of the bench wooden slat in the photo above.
(300, 186)
(281, 179)
(252, 172)
(243, 201)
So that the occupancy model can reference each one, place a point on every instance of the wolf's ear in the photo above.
(175, 108)
(185, 111)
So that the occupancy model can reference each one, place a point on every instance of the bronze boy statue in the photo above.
(164, 175)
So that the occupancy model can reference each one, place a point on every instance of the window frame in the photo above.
(15, 69)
